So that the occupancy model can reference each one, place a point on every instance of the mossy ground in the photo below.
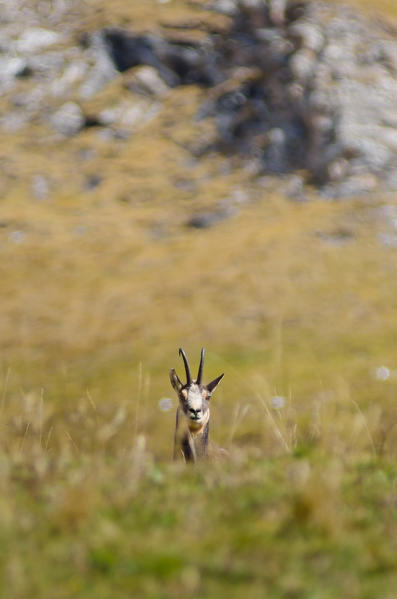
(101, 287)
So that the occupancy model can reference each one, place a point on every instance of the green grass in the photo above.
(305, 525)
(98, 295)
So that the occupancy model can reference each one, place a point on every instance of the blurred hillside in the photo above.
(129, 227)
(120, 243)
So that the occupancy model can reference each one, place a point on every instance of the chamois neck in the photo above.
(195, 445)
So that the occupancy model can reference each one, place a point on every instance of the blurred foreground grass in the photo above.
(90, 524)
(100, 288)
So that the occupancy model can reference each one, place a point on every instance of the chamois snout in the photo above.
(194, 414)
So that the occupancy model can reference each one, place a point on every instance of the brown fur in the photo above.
(192, 418)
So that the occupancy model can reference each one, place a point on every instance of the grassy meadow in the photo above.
(99, 289)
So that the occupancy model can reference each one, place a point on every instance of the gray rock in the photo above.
(277, 10)
(147, 80)
(40, 187)
(391, 180)
(355, 185)
(96, 80)
(303, 64)
(389, 240)
(337, 238)
(14, 121)
(69, 119)
(92, 182)
(30, 101)
(47, 64)
(205, 220)
(13, 66)
(102, 70)
(293, 188)
(388, 213)
(225, 7)
(17, 237)
(276, 152)
(72, 76)
(36, 38)
(129, 114)
(308, 35)
(138, 114)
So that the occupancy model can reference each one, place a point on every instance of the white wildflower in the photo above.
(165, 404)
(277, 402)
(382, 373)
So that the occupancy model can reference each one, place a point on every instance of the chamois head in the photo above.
(194, 396)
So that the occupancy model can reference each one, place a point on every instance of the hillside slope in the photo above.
(120, 244)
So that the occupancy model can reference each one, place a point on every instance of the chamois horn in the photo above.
(200, 370)
(187, 369)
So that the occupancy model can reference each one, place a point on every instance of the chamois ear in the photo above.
(213, 384)
(175, 381)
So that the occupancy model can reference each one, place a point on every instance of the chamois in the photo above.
(193, 412)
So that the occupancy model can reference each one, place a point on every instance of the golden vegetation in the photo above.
(100, 288)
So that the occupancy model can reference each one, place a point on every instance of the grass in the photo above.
(101, 287)
(303, 525)
(304, 506)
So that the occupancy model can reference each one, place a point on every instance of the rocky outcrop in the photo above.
(324, 97)
(304, 87)
(295, 86)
